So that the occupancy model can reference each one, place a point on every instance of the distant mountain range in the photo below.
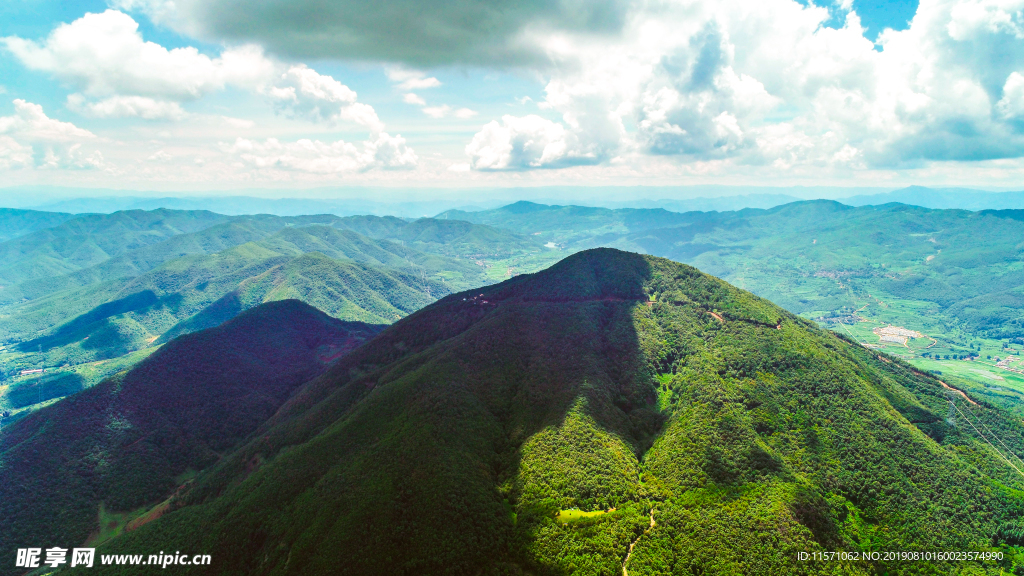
(85, 296)
(389, 202)
(943, 198)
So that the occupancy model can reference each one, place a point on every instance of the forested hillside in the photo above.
(951, 278)
(614, 413)
(82, 469)
(14, 222)
(93, 294)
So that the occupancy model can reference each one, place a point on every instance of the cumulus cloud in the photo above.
(526, 142)
(444, 111)
(313, 156)
(416, 80)
(301, 91)
(104, 54)
(127, 106)
(418, 32)
(119, 74)
(771, 84)
(411, 79)
(29, 138)
(413, 99)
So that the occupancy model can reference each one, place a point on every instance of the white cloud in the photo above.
(160, 156)
(121, 75)
(301, 91)
(768, 84)
(411, 79)
(104, 54)
(1011, 106)
(413, 99)
(14, 154)
(526, 142)
(384, 152)
(126, 106)
(445, 110)
(30, 138)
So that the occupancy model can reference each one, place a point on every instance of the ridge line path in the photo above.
(960, 392)
(632, 544)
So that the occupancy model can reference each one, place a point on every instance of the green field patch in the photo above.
(113, 524)
(566, 516)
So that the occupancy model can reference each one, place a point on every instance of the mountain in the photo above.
(614, 413)
(93, 238)
(14, 223)
(441, 235)
(571, 224)
(89, 296)
(950, 274)
(201, 291)
(704, 204)
(133, 439)
(945, 198)
(99, 248)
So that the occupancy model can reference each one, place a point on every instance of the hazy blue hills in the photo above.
(580, 226)
(14, 223)
(132, 440)
(613, 412)
(87, 240)
(948, 198)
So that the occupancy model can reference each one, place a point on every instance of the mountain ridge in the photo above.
(127, 441)
(626, 386)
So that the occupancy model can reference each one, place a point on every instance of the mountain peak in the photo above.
(177, 411)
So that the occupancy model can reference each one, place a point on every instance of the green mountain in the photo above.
(95, 248)
(951, 275)
(568, 225)
(89, 239)
(90, 296)
(201, 291)
(130, 441)
(14, 223)
(441, 235)
(613, 414)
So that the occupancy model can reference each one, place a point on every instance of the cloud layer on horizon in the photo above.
(651, 87)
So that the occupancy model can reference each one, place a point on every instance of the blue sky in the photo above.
(224, 94)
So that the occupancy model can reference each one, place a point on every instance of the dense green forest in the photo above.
(819, 257)
(615, 413)
(83, 297)
(74, 296)
(84, 468)
(953, 277)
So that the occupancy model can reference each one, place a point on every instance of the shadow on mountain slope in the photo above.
(125, 442)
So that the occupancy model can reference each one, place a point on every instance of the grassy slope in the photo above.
(122, 444)
(451, 441)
